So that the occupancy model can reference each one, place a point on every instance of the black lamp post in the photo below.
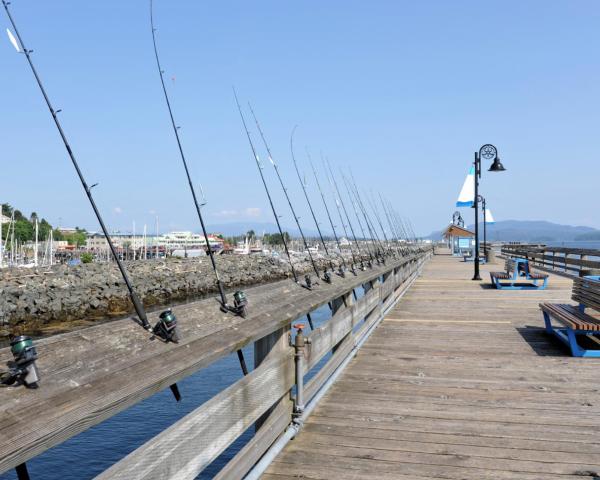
(481, 199)
(489, 152)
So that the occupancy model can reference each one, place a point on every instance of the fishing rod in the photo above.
(339, 200)
(339, 210)
(239, 297)
(326, 276)
(262, 177)
(343, 267)
(377, 244)
(307, 279)
(166, 328)
(260, 170)
(401, 225)
(407, 228)
(392, 227)
(308, 282)
(394, 221)
(303, 185)
(239, 307)
(412, 230)
(373, 205)
(360, 225)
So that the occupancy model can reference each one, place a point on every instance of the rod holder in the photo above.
(299, 345)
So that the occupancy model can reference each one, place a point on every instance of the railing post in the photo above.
(346, 300)
(271, 344)
(299, 344)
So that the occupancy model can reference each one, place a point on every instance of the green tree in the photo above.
(77, 238)
(58, 235)
(275, 238)
(19, 215)
(44, 229)
(86, 257)
(23, 230)
(7, 209)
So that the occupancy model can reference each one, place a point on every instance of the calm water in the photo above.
(93, 451)
(588, 244)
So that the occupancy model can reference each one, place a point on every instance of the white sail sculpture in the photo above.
(467, 193)
(488, 217)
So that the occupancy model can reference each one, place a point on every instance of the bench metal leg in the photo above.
(576, 350)
(569, 337)
(548, 323)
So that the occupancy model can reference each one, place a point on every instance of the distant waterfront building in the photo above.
(171, 241)
(67, 230)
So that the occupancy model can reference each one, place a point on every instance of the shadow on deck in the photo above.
(458, 382)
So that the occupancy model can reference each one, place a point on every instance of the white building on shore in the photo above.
(170, 241)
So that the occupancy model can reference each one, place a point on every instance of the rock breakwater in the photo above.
(50, 300)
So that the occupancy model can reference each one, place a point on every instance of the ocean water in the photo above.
(93, 451)
(592, 244)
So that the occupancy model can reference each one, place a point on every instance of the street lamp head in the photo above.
(497, 166)
(488, 151)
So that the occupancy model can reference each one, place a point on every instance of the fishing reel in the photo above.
(24, 370)
(327, 276)
(166, 327)
(341, 272)
(240, 301)
(308, 281)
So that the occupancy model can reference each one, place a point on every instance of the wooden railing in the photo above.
(572, 261)
(92, 374)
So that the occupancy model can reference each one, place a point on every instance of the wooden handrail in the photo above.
(91, 374)
(562, 259)
(187, 447)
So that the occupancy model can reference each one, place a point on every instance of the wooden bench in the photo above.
(517, 270)
(586, 291)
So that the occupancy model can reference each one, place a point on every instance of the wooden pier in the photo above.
(461, 382)
(90, 375)
(444, 378)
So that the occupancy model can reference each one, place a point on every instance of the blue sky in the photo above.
(403, 92)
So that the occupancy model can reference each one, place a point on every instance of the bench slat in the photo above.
(570, 316)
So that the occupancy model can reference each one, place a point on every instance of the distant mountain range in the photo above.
(533, 231)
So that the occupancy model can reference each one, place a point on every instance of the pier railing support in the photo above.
(271, 345)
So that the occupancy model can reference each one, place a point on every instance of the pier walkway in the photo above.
(460, 382)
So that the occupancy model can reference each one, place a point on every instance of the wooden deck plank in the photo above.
(459, 381)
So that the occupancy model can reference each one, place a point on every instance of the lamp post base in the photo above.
(476, 277)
